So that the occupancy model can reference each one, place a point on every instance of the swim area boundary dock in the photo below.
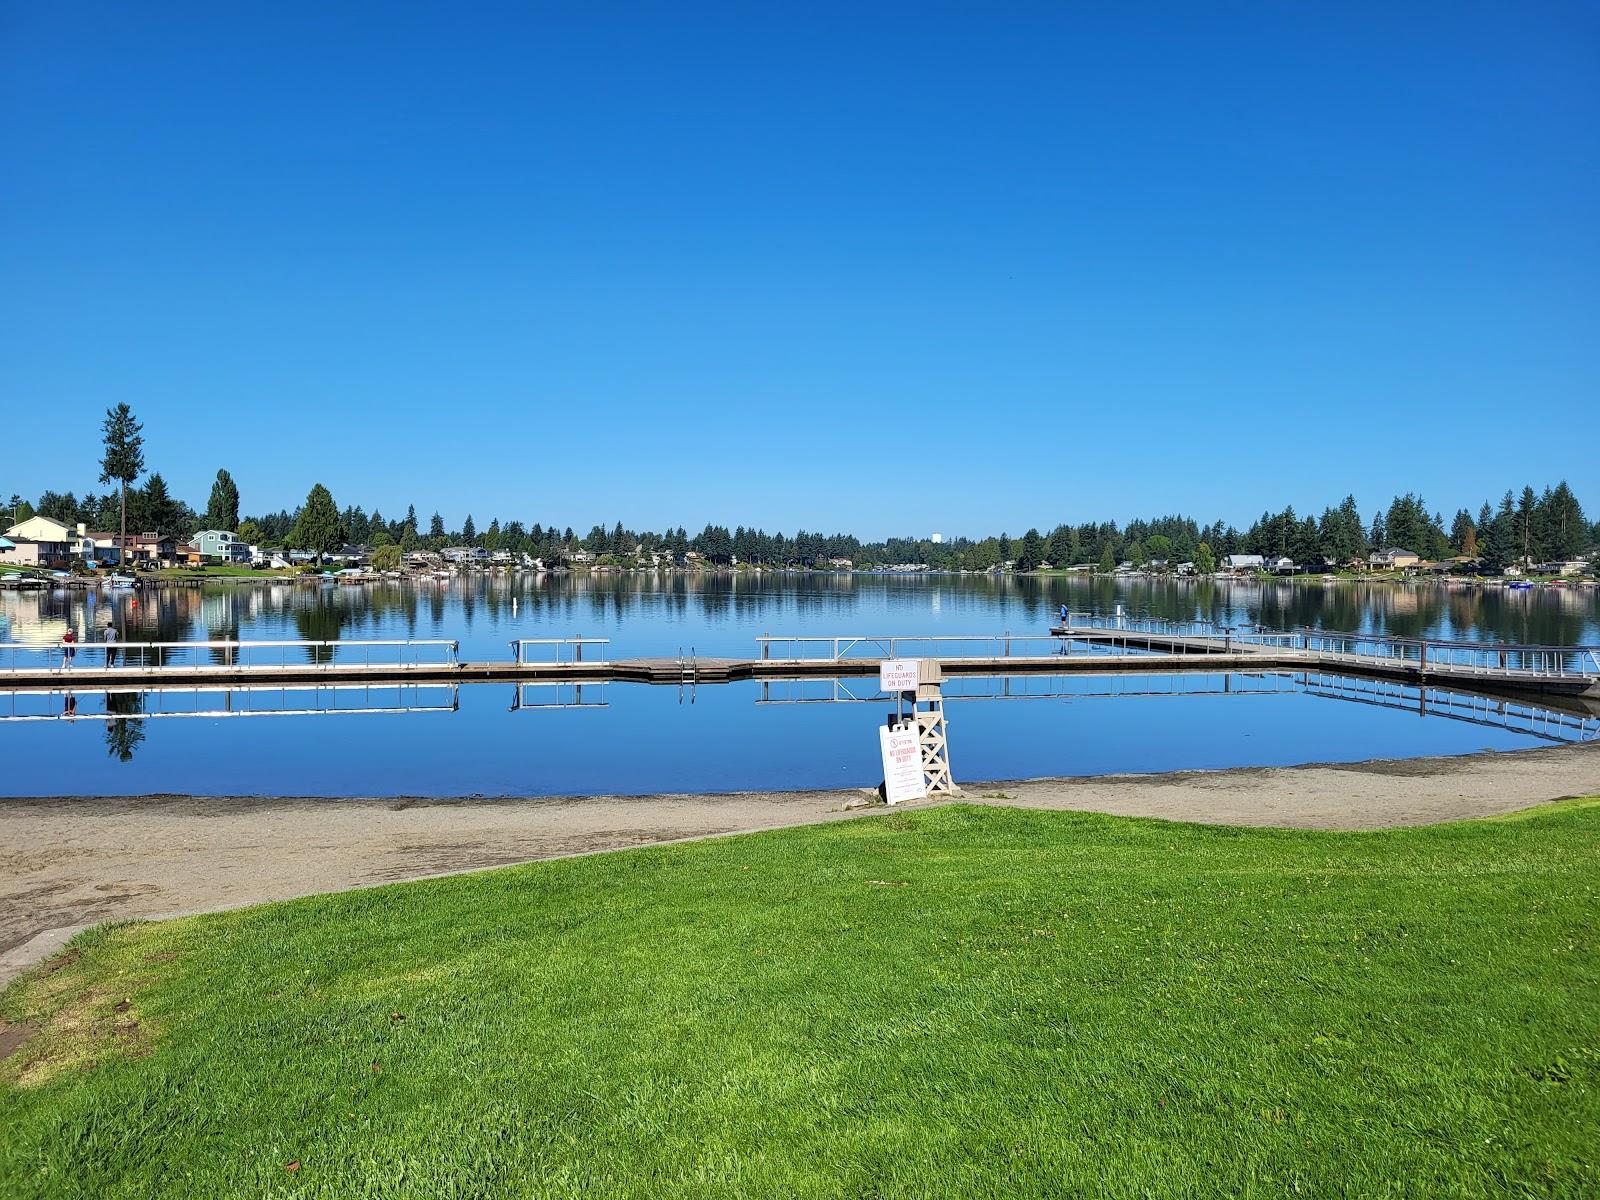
(1084, 644)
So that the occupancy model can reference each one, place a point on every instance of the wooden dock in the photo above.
(1484, 669)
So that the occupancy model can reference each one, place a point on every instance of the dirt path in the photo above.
(67, 862)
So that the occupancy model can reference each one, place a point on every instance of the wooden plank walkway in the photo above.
(708, 671)
(1482, 668)
(1525, 671)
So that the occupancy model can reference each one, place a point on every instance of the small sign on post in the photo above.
(899, 674)
(902, 764)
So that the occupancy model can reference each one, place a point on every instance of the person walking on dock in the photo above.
(69, 647)
(110, 639)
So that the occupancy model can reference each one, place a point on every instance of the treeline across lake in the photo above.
(1535, 528)
(1529, 528)
(1524, 528)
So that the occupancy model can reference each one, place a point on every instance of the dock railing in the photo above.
(222, 700)
(560, 650)
(18, 657)
(810, 648)
(1478, 658)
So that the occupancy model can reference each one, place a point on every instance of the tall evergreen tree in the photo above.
(1498, 547)
(222, 511)
(1031, 553)
(123, 459)
(469, 531)
(156, 509)
(1566, 531)
(317, 528)
(1526, 528)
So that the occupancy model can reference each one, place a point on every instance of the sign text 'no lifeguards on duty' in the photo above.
(899, 674)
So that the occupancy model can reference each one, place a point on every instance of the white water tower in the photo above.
(938, 538)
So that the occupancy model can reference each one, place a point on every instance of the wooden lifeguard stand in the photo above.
(933, 732)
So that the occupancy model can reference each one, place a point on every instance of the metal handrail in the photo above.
(519, 655)
(387, 698)
(58, 656)
(891, 646)
(1510, 659)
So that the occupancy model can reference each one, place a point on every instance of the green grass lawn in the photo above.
(952, 1001)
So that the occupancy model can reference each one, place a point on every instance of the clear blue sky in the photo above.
(678, 263)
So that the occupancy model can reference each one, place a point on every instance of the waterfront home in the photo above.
(1568, 566)
(1244, 562)
(63, 543)
(1282, 565)
(465, 555)
(19, 551)
(42, 529)
(51, 534)
(1393, 559)
(153, 548)
(351, 555)
(220, 545)
(103, 546)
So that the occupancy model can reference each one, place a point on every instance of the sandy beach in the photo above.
(68, 862)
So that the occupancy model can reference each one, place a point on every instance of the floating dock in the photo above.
(1099, 646)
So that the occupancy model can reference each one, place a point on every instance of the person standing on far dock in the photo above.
(69, 647)
(110, 639)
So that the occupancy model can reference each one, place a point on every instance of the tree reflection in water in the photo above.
(123, 732)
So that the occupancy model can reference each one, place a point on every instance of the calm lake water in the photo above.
(501, 740)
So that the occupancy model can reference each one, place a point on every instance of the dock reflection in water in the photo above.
(533, 740)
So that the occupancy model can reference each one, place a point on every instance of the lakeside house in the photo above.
(1566, 566)
(153, 548)
(108, 547)
(219, 546)
(58, 545)
(19, 551)
(54, 543)
(1393, 558)
(1459, 564)
(1244, 562)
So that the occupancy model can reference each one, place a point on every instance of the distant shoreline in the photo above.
(10, 576)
